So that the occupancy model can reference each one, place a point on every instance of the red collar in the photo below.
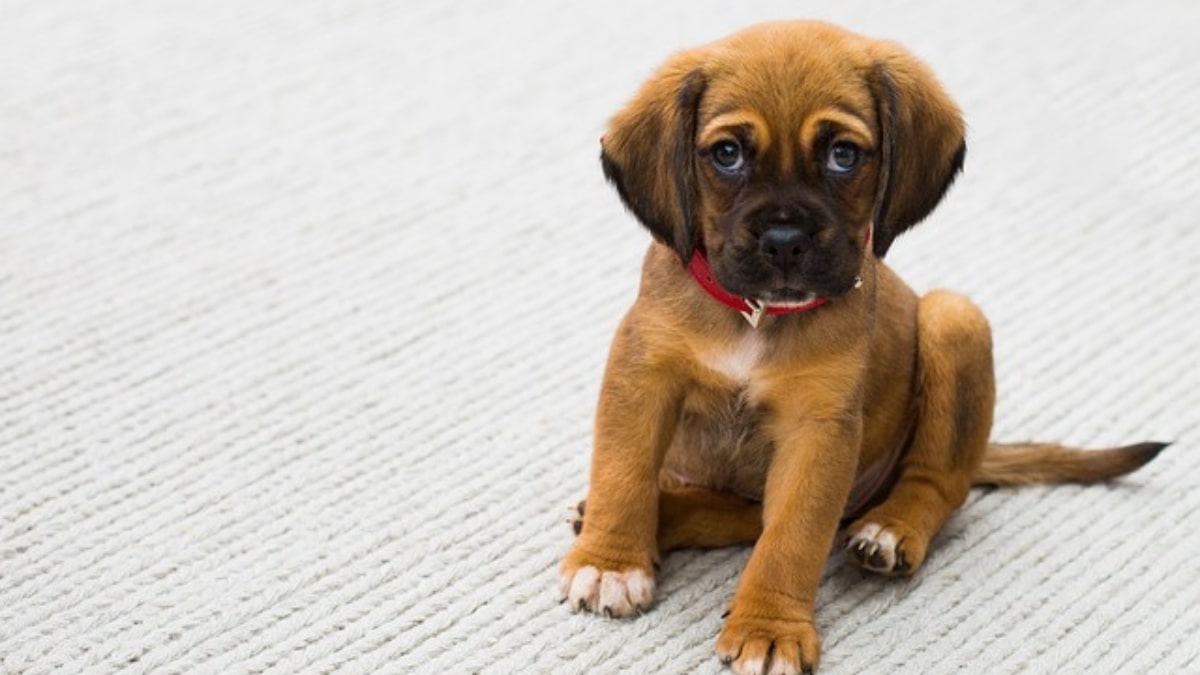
(752, 310)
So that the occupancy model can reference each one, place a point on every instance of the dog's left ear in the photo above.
(923, 142)
(649, 152)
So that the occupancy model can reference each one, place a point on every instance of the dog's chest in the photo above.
(719, 442)
(737, 360)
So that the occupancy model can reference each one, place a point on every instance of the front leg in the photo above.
(610, 569)
(770, 627)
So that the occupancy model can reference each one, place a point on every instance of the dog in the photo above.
(775, 382)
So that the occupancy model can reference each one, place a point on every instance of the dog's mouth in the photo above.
(824, 275)
(787, 297)
(790, 293)
(781, 293)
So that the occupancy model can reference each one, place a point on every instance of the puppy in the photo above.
(774, 379)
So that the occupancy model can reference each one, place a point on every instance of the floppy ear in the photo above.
(649, 153)
(923, 142)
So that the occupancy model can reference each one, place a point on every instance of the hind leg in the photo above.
(954, 419)
(695, 517)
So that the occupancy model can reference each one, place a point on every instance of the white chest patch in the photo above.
(739, 359)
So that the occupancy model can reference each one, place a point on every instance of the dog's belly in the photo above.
(719, 444)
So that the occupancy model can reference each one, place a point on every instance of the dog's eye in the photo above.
(727, 156)
(843, 157)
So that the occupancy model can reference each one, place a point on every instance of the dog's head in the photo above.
(776, 148)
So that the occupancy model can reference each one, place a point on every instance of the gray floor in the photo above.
(304, 306)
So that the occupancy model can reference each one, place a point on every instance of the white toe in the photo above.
(584, 588)
(615, 594)
(874, 540)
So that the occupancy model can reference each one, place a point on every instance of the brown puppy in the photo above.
(775, 168)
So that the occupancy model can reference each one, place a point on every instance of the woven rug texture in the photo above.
(304, 307)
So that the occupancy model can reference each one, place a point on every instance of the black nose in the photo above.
(783, 245)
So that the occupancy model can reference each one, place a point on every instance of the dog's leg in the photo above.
(954, 418)
(610, 570)
(696, 517)
(770, 623)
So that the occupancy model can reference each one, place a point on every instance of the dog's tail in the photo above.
(1031, 463)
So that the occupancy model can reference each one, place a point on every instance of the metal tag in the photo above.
(755, 313)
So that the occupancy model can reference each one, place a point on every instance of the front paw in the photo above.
(605, 586)
(762, 643)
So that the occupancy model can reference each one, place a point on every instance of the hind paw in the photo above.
(575, 519)
(893, 549)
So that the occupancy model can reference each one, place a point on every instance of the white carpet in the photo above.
(304, 306)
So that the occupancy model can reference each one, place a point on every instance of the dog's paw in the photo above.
(614, 594)
(892, 549)
(758, 645)
(575, 517)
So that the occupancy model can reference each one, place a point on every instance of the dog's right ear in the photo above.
(649, 152)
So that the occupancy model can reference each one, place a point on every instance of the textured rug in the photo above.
(304, 307)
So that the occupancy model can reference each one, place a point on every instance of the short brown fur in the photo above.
(712, 433)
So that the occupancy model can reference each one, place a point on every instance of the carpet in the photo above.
(304, 307)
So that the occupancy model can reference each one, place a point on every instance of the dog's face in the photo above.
(776, 149)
